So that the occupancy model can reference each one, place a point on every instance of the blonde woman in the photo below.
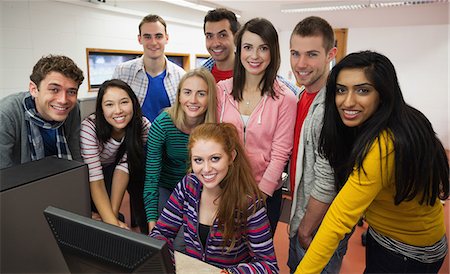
(167, 154)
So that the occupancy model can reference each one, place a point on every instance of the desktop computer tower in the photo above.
(27, 243)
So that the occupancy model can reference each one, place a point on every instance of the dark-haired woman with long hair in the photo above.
(220, 206)
(262, 108)
(388, 164)
(112, 145)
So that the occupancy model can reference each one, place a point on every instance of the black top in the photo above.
(203, 232)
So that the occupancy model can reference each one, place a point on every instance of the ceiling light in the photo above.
(355, 5)
(188, 4)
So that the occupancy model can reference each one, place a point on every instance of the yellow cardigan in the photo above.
(372, 193)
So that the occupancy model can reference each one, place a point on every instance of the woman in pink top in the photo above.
(262, 108)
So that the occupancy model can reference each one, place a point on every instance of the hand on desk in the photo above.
(123, 225)
(120, 224)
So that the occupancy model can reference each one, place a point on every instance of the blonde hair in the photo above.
(239, 188)
(176, 111)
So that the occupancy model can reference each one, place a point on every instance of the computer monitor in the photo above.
(91, 246)
(27, 245)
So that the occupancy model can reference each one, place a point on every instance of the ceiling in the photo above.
(424, 14)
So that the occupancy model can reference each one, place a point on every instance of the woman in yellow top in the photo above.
(388, 164)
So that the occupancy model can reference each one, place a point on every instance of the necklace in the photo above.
(247, 103)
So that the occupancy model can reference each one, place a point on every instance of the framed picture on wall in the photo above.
(102, 62)
(181, 59)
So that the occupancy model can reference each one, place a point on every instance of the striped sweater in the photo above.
(166, 161)
(252, 253)
(96, 155)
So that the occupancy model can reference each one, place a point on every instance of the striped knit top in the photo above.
(96, 155)
(252, 253)
(166, 161)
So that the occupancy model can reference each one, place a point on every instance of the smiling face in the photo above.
(255, 53)
(210, 163)
(356, 97)
(219, 40)
(55, 97)
(117, 108)
(310, 61)
(153, 38)
(194, 99)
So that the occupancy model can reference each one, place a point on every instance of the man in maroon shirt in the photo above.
(220, 26)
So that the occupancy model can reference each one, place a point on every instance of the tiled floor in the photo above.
(354, 261)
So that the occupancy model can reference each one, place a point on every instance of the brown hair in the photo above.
(176, 111)
(152, 18)
(56, 63)
(316, 26)
(239, 188)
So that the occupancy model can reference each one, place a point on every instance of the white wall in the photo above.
(420, 55)
(31, 29)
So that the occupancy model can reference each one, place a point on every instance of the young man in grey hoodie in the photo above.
(45, 120)
(311, 177)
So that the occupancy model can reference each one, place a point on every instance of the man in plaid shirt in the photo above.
(152, 77)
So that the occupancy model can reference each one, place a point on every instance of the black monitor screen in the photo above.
(91, 246)
(178, 60)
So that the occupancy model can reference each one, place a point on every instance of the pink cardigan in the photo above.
(269, 135)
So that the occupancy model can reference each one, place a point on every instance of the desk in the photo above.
(185, 264)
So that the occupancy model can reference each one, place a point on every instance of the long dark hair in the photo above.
(132, 144)
(269, 35)
(421, 164)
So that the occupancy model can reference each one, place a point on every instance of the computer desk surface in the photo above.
(185, 264)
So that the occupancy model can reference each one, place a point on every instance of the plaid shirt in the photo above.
(209, 63)
(133, 72)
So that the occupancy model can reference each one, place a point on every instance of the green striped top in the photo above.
(166, 161)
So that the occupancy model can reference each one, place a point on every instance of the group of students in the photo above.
(202, 153)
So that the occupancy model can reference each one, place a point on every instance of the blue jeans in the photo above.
(382, 260)
(296, 254)
(178, 242)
